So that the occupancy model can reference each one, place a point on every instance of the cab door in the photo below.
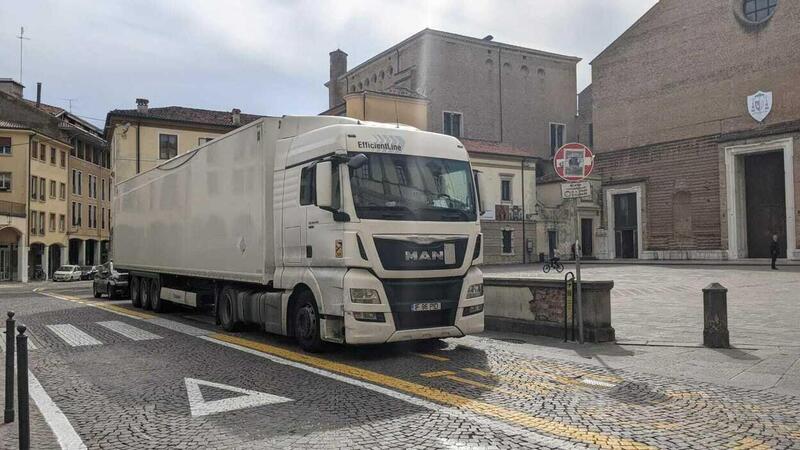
(294, 219)
(323, 233)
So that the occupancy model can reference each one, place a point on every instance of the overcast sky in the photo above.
(265, 57)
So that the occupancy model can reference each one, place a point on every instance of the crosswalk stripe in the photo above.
(129, 331)
(73, 336)
(31, 344)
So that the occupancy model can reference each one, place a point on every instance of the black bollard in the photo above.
(715, 316)
(8, 416)
(22, 390)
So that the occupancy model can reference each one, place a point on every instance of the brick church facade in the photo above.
(690, 167)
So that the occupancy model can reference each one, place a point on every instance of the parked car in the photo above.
(111, 282)
(67, 273)
(88, 272)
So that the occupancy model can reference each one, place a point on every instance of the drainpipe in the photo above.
(138, 151)
(500, 87)
(524, 242)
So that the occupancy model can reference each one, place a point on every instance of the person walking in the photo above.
(773, 250)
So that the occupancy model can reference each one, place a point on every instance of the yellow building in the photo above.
(33, 186)
(141, 138)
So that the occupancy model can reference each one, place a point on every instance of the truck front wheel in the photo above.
(306, 323)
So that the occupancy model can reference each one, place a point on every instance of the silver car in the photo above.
(67, 273)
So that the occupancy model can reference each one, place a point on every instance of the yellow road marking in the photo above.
(429, 356)
(441, 373)
(542, 388)
(442, 397)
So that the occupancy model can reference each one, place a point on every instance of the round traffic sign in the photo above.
(573, 161)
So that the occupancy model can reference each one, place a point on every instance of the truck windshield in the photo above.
(405, 187)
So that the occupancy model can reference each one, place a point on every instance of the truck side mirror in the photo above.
(324, 184)
(357, 161)
(480, 181)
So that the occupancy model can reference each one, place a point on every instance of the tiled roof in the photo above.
(10, 124)
(496, 148)
(192, 115)
(54, 110)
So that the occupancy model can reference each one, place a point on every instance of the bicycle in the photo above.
(553, 263)
(36, 273)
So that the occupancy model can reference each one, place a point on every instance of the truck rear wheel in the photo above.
(306, 323)
(136, 299)
(227, 300)
(156, 304)
(144, 292)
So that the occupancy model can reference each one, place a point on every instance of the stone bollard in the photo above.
(715, 316)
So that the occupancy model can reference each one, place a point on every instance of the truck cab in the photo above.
(380, 223)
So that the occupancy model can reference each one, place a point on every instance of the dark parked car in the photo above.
(88, 272)
(111, 282)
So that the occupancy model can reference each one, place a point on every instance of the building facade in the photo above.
(696, 123)
(142, 138)
(33, 181)
(477, 88)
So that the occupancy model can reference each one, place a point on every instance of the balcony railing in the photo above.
(12, 209)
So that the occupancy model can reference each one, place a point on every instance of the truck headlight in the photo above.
(474, 309)
(475, 290)
(368, 296)
(369, 316)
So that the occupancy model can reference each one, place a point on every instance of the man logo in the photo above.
(448, 255)
(434, 255)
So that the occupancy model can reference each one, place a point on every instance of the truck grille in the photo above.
(396, 254)
(404, 293)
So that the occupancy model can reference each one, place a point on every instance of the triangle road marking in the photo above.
(198, 406)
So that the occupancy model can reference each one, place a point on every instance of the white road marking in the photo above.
(452, 412)
(198, 406)
(73, 336)
(67, 437)
(31, 344)
(129, 331)
(178, 327)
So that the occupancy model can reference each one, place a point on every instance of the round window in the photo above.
(758, 11)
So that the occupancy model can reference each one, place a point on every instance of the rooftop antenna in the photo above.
(21, 38)
(69, 101)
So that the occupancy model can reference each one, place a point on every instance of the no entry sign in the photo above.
(573, 162)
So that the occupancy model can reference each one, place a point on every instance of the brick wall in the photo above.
(493, 241)
(670, 171)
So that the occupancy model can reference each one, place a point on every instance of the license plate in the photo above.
(432, 306)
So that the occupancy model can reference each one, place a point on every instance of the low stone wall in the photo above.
(536, 306)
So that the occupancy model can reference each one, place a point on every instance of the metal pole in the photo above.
(22, 390)
(578, 296)
(8, 417)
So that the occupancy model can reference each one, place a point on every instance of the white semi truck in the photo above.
(321, 228)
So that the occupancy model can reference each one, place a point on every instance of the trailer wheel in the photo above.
(227, 300)
(156, 304)
(136, 299)
(144, 292)
(306, 323)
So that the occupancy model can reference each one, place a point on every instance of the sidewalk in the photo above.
(41, 435)
(774, 369)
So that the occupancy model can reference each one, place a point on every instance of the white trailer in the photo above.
(321, 228)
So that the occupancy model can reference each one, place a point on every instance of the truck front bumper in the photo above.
(378, 332)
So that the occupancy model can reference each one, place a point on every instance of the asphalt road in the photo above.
(125, 378)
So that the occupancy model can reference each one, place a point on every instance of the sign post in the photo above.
(574, 162)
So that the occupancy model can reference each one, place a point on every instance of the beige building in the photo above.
(143, 137)
(33, 186)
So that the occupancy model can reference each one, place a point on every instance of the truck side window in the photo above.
(308, 186)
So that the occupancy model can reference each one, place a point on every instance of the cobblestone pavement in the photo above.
(125, 387)
(664, 304)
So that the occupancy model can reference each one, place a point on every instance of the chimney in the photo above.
(141, 105)
(11, 87)
(38, 94)
(236, 116)
(338, 68)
